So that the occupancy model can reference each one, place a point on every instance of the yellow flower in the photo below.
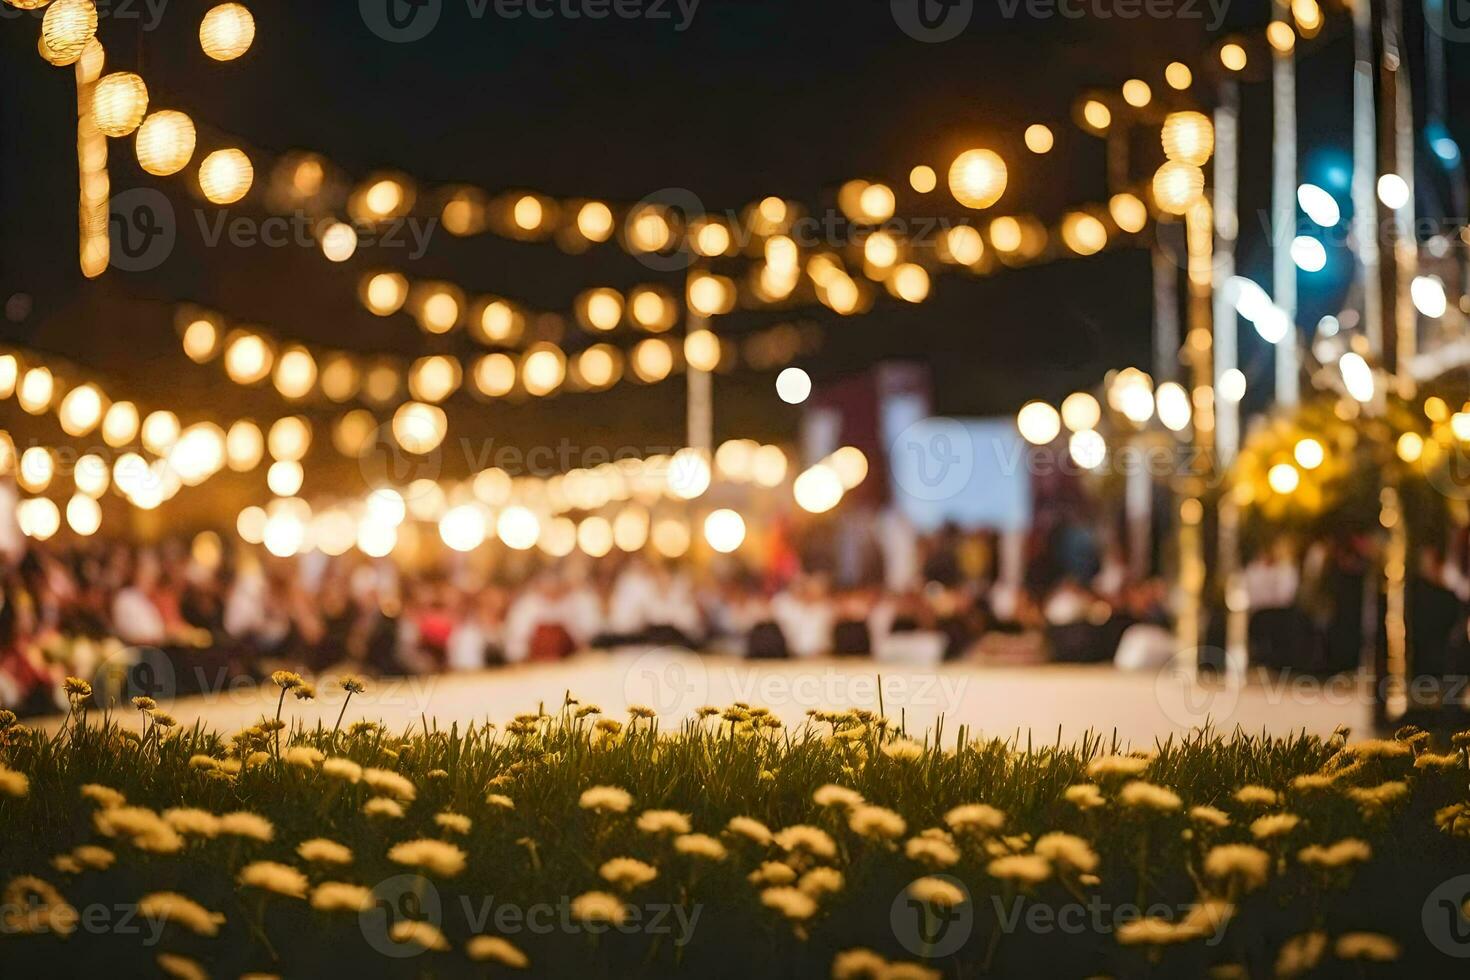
(143, 828)
(790, 902)
(832, 795)
(171, 906)
(304, 757)
(94, 857)
(933, 851)
(31, 905)
(700, 845)
(904, 750)
(286, 680)
(1067, 851)
(627, 873)
(663, 822)
(1084, 796)
(411, 932)
(1378, 748)
(606, 799)
(337, 896)
(1372, 797)
(456, 823)
(104, 796)
(977, 817)
(13, 783)
(821, 881)
(1210, 816)
(1028, 869)
(804, 837)
(203, 763)
(343, 769)
(772, 873)
(937, 892)
(76, 688)
(274, 877)
(1257, 796)
(1300, 954)
(1429, 760)
(193, 823)
(498, 800)
(382, 806)
(1239, 862)
(1150, 796)
(1349, 850)
(877, 823)
(319, 850)
(351, 684)
(434, 856)
(1116, 765)
(181, 967)
(749, 828)
(390, 783)
(1366, 946)
(493, 949)
(1311, 781)
(1274, 825)
(244, 824)
(858, 964)
(599, 907)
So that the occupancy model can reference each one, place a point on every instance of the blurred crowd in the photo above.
(211, 612)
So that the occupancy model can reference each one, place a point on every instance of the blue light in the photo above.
(1443, 144)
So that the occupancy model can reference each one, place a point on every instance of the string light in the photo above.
(1177, 186)
(1128, 212)
(225, 176)
(226, 32)
(724, 530)
(923, 179)
(1178, 75)
(977, 178)
(1137, 93)
(1039, 138)
(1038, 423)
(119, 102)
(67, 27)
(37, 388)
(1233, 57)
(165, 142)
(1188, 137)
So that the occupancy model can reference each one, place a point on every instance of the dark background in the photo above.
(756, 97)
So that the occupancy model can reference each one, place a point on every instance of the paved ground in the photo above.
(996, 701)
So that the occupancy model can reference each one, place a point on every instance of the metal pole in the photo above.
(1365, 175)
(1283, 209)
(1227, 357)
(1405, 244)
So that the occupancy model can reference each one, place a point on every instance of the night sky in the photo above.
(755, 97)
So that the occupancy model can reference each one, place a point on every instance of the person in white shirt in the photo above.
(806, 616)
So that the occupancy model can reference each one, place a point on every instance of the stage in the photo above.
(1036, 701)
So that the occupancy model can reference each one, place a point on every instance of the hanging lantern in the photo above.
(51, 57)
(225, 176)
(165, 142)
(226, 32)
(977, 178)
(1188, 137)
(119, 101)
(1177, 186)
(91, 62)
(68, 26)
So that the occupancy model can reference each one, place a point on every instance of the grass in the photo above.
(1135, 888)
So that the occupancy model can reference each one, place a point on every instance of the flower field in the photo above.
(566, 843)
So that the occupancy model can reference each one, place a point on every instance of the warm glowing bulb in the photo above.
(1039, 138)
(977, 178)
